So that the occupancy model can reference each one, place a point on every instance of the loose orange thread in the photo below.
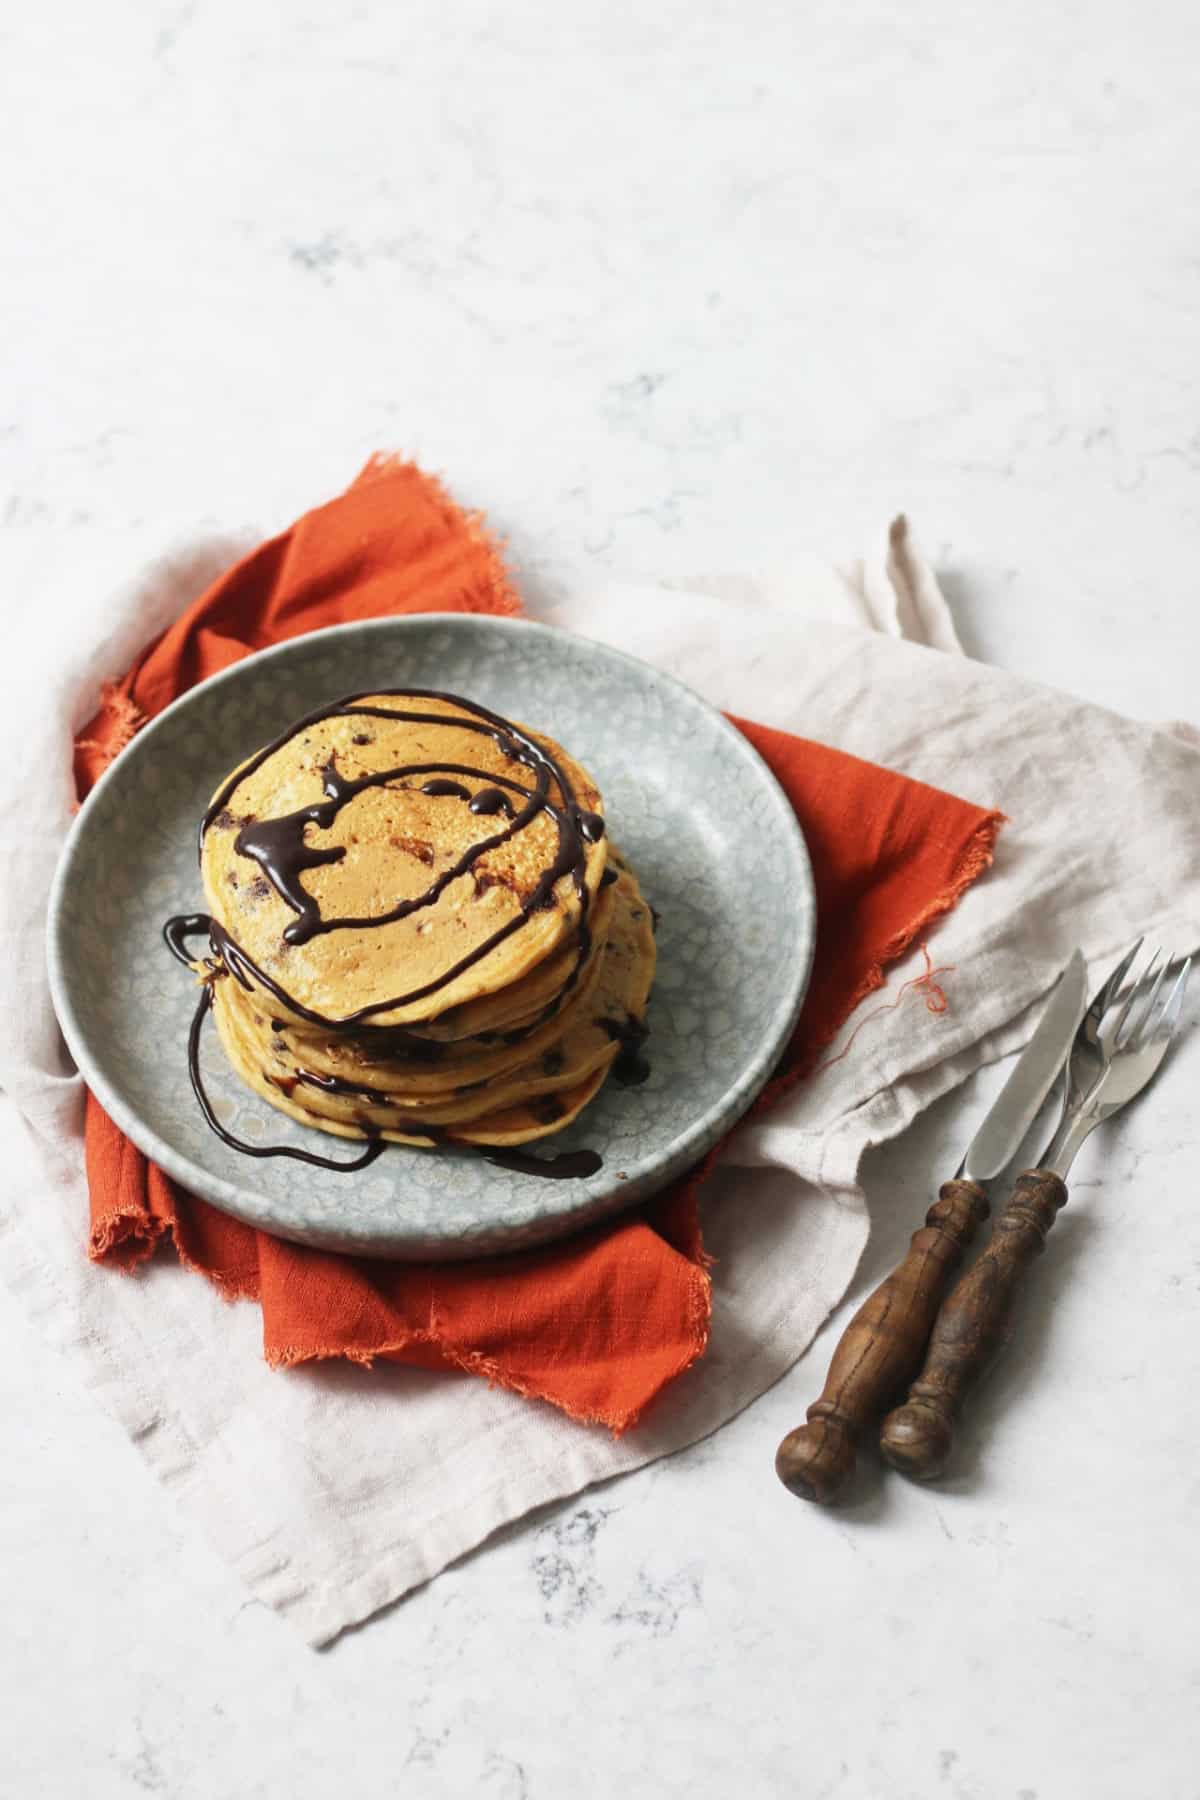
(127, 718)
(925, 984)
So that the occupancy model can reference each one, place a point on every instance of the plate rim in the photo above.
(688, 1145)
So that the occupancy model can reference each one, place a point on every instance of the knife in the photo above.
(1104, 1073)
(881, 1348)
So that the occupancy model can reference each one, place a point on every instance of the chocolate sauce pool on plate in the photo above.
(568, 1165)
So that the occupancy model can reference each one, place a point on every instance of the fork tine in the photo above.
(1121, 1035)
(1112, 986)
(1139, 1034)
(1169, 1017)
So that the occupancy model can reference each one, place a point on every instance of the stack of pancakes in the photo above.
(420, 928)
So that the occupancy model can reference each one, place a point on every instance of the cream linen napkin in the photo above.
(335, 1490)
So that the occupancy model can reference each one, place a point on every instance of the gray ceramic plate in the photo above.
(715, 844)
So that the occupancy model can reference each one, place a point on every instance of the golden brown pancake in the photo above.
(331, 943)
(427, 1070)
(474, 1030)
(530, 1099)
(420, 929)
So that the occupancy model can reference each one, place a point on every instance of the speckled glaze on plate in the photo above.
(710, 833)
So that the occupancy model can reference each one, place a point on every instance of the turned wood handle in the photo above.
(880, 1348)
(972, 1328)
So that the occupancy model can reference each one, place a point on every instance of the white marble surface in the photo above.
(682, 291)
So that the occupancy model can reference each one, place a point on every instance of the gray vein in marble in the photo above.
(564, 1565)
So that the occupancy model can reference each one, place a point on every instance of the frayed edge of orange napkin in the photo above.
(475, 1362)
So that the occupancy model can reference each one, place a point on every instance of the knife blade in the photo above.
(881, 1349)
(1019, 1100)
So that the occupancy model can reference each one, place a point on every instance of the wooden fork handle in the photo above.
(880, 1348)
(972, 1328)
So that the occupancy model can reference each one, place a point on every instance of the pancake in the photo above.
(426, 1071)
(420, 932)
(518, 1125)
(529, 1099)
(526, 1000)
(390, 859)
(494, 1021)
(525, 1123)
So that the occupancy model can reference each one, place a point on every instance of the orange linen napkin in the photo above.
(599, 1324)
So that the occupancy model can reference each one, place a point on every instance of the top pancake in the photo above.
(390, 844)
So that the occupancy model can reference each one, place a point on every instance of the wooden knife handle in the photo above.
(972, 1328)
(880, 1348)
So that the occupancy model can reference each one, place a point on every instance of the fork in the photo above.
(1115, 1055)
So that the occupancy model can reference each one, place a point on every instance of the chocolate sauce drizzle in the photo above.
(335, 1084)
(484, 803)
(630, 1068)
(176, 931)
(450, 789)
(491, 800)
